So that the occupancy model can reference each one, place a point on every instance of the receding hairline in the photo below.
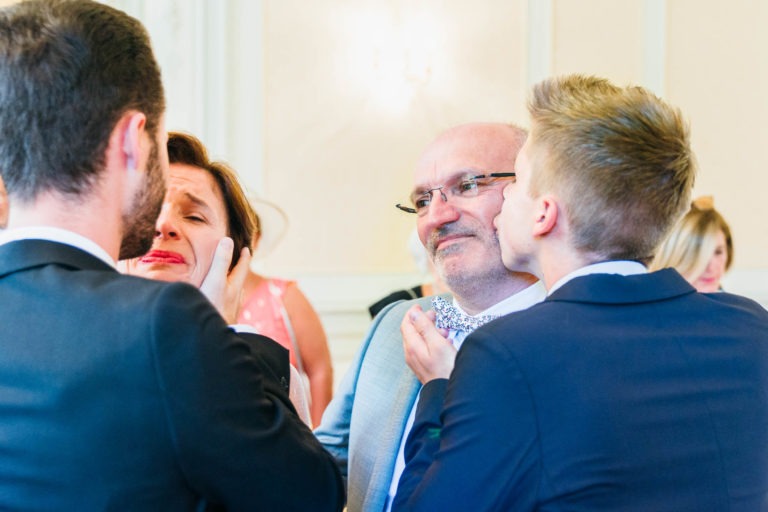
(499, 141)
(484, 130)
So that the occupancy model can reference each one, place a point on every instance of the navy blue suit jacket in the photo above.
(121, 393)
(617, 393)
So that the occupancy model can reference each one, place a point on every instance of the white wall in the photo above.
(211, 57)
(324, 106)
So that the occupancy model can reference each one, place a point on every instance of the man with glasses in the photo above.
(457, 193)
(624, 390)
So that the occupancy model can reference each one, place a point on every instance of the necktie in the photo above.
(449, 317)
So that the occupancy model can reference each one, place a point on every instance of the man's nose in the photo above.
(441, 210)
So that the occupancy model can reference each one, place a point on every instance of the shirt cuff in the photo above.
(244, 328)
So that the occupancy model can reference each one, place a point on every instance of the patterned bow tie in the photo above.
(449, 317)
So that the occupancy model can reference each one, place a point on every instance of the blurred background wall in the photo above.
(324, 106)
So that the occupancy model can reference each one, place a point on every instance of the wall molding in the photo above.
(540, 34)
(353, 292)
(211, 55)
(655, 41)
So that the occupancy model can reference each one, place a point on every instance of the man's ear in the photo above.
(134, 124)
(127, 152)
(546, 215)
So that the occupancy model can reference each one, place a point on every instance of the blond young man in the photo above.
(624, 390)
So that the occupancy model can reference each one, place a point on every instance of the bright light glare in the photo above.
(390, 59)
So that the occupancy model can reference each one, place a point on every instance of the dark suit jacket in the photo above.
(121, 393)
(617, 393)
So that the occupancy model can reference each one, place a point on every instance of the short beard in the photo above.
(139, 224)
(469, 282)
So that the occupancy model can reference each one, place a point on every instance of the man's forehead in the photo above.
(477, 149)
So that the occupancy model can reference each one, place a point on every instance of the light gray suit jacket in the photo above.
(363, 425)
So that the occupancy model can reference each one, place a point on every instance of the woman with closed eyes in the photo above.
(204, 203)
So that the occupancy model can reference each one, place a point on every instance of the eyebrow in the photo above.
(196, 201)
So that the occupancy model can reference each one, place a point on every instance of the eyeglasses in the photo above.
(461, 187)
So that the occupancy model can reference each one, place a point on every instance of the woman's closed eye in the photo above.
(195, 218)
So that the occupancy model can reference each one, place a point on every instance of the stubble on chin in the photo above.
(468, 269)
(139, 224)
(137, 240)
(139, 230)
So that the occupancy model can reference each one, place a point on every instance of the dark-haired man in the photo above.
(118, 392)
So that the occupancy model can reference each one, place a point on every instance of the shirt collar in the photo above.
(59, 235)
(621, 267)
(515, 302)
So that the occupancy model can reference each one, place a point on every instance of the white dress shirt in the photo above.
(621, 267)
(79, 241)
(52, 234)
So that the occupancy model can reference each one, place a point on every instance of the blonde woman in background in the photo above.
(700, 247)
(277, 308)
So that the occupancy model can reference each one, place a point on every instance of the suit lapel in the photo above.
(26, 254)
(383, 401)
(405, 391)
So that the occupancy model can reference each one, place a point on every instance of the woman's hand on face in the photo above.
(224, 289)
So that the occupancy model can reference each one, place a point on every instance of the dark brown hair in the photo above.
(69, 69)
(242, 222)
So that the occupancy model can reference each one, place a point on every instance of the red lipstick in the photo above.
(157, 256)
